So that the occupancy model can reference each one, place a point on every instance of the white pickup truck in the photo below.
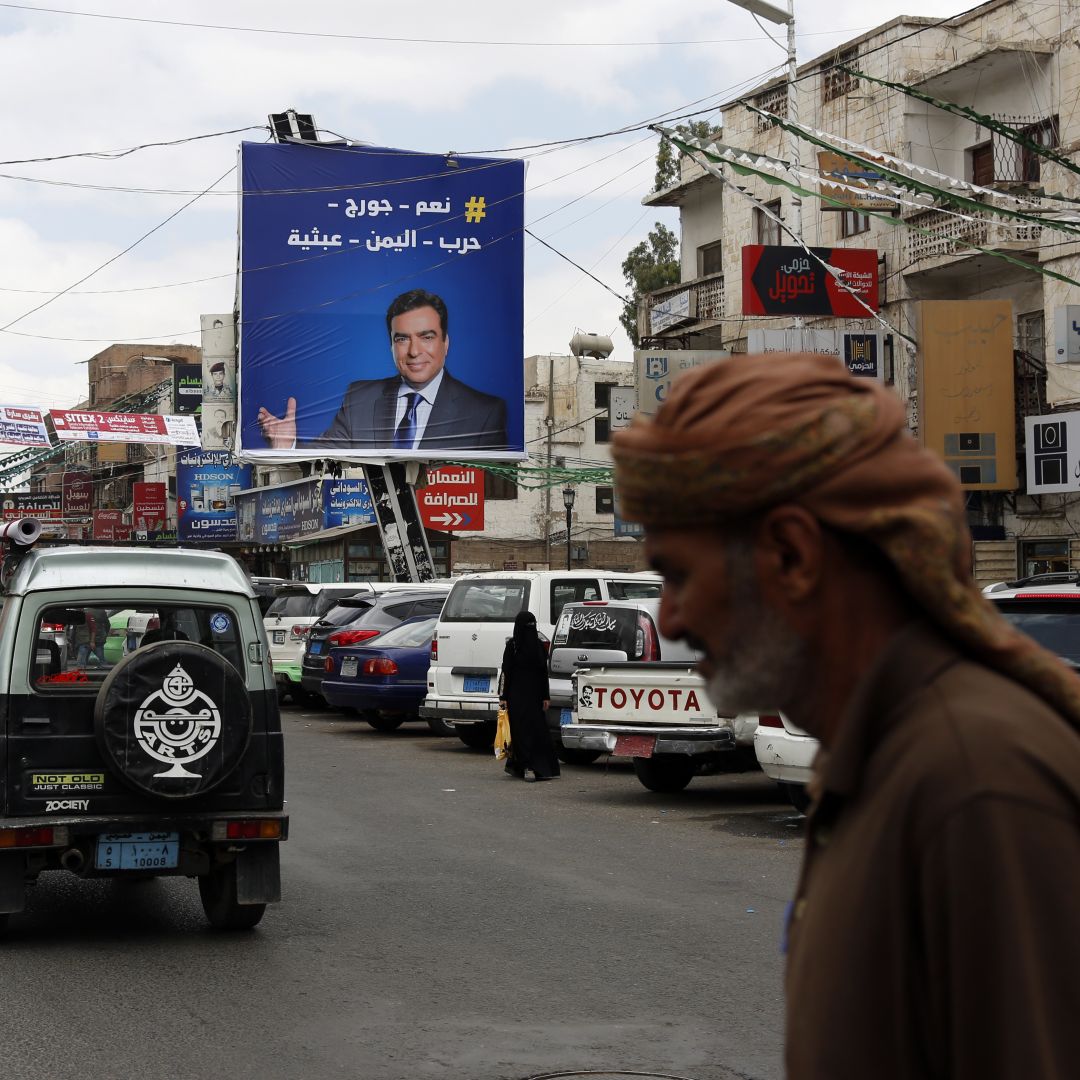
(658, 714)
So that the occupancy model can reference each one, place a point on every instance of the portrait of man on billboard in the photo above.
(422, 407)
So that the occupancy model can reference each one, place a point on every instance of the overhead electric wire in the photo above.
(120, 254)
(390, 38)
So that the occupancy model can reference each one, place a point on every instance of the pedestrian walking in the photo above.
(821, 559)
(524, 693)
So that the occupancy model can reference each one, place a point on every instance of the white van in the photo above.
(296, 607)
(478, 618)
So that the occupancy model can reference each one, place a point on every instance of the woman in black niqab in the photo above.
(523, 691)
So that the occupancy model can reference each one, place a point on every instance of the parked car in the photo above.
(786, 754)
(169, 761)
(296, 606)
(602, 632)
(1045, 606)
(477, 619)
(360, 618)
(386, 680)
(126, 630)
(266, 590)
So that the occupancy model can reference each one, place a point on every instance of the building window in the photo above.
(1044, 557)
(497, 487)
(711, 259)
(602, 400)
(605, 500)
(836, 83)
(775, 101)
(852, 223)
(766, 229)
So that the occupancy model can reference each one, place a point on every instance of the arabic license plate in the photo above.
(316, 647)
(477, 684)
(349, 667)
(566, 716)
(279, 637)
(138, 851)
(634, 745)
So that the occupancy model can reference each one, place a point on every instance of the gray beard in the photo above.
(765, 666)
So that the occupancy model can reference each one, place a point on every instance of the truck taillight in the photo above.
(434, 648)
(646, 645)
(380, 666)
(545, 643)
(770, 721)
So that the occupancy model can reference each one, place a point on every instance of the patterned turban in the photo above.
(751, 432)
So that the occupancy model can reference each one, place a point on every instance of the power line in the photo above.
(393, 39)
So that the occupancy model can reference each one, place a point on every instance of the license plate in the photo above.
(316, 647)
(477, 684)
(279, 637)
(138, 851)
(566, 717)
(634, 745)
(349, 667)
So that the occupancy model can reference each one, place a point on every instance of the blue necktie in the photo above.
(406, 430)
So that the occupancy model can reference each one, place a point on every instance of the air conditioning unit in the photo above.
(579, 552)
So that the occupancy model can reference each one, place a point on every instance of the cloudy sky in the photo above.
(99, 246)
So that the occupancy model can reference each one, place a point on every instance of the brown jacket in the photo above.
(935, 932)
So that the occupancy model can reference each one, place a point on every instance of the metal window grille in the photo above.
(774, 100)
(836, 83)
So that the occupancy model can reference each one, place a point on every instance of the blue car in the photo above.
(385, 681)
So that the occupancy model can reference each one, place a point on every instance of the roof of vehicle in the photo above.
(1063, 590)
(395, 596)
(482, 574)
(75, 567)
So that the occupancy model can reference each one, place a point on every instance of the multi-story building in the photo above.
(1004, 60)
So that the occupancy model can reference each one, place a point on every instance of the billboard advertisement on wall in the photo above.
(149, 508)
(381, 305)
(207, 483)
(788, 281)
(655, 369)
(293, 511)
(967, 391)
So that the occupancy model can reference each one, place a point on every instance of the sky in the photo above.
(112, 247)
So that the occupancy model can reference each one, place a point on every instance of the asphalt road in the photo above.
(439, 920)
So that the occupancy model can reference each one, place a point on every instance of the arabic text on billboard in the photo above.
(22, 426)
(293, 511)
(788, 281)
(385, 320)
(206, 486)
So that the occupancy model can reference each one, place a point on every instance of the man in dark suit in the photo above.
(423, 407)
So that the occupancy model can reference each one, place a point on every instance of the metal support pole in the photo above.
(793, 139)
(569, 512)
(402, 532)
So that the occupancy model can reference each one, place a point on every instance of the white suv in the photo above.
(477, 619)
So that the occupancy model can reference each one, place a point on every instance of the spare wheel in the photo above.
(173, 719)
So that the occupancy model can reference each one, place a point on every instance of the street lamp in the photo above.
(568, 502)
(781, 17)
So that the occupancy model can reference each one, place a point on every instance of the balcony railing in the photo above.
(943, 235)
(706, 303)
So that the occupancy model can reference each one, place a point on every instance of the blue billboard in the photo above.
(207, 482)
(381, 305)
(293, 511)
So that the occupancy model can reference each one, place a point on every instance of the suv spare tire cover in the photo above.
(173, 719)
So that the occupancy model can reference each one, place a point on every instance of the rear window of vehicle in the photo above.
(1055, 626)
(77, 646)
(491, 600)
(328, 598)
(410, 635)
(600, 628)
(634, 590)
(346, 612)
(293, 606)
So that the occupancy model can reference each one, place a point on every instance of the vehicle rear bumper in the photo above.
(287, 671)
(668, 740)
(459, 712)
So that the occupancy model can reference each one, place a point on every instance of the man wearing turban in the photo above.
(820, 560)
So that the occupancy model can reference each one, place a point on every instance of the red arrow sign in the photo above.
(453, 499)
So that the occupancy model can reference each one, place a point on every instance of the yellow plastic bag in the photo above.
(502, 735)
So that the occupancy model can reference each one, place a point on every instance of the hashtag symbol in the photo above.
(474, 209)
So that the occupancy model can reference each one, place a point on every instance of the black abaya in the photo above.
(523, 685)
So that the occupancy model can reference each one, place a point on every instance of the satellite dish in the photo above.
(597, 346)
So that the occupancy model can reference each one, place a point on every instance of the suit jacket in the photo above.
(461, 419)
